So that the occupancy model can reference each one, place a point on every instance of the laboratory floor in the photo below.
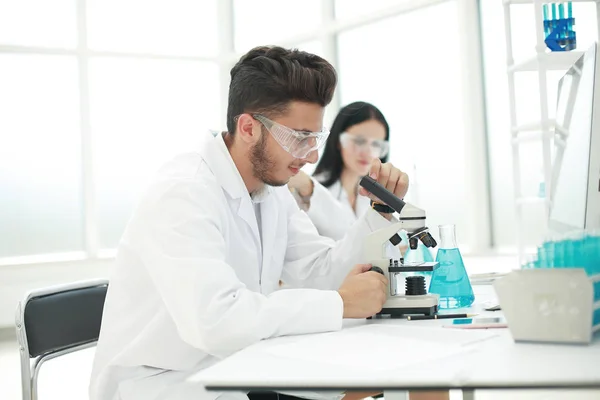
(64, 378)
(10, 373)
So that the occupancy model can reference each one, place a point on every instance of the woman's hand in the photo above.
(389, 177)
(302, 184)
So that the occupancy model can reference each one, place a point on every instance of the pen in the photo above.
(439, 316)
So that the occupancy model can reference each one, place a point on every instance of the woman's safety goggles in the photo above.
(377, 148)
(299, 144)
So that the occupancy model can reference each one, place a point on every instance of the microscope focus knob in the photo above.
(377, 269)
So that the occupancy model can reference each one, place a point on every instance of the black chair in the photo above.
(55, 321)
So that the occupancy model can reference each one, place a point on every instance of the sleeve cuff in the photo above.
(319, 191)
(338, 311)
(329, 307)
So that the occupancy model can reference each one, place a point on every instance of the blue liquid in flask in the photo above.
(450, 279)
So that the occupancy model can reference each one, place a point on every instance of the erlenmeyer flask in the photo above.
(450, 279)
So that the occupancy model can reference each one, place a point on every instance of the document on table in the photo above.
(384, 347)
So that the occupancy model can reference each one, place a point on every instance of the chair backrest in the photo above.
(55, 321)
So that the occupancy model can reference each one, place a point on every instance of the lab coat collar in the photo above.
(262, 194)
(362, 203)
(217, 156)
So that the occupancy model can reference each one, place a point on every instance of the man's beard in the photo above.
(262, 165)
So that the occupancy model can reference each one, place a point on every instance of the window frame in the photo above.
(468, 19)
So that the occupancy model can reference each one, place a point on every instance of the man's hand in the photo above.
(302, 183)
(389, 177)
(363, 292)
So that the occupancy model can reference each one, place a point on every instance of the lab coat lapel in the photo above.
(218, 159)
(246, 212)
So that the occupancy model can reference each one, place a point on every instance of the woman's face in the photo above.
(362, 143)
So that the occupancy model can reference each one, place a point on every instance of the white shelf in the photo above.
(560, 142)
(535, 126)
(531, 137)
(543, 131)
(560, 131)
(551, 61)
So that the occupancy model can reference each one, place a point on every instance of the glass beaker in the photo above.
(450, 279)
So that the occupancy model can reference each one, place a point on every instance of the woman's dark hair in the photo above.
(331, 163)
(267, 78)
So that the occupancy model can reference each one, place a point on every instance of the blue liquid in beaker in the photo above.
(450, 280)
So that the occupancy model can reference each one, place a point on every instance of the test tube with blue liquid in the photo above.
(574, 250)
(553, 15)
(546, 20)
(570, 15)
(561, 16)
(558, 26)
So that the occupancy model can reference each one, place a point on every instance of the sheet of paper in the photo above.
(383, 347)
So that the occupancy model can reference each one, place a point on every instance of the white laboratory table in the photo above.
(494, 363)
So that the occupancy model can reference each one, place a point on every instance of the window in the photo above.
(153, 81)
(348, 9)
(167, 27)
(40, 156)
(419, 90)
(143, 112)
(269, 22)
(91, 115)
(38, 23)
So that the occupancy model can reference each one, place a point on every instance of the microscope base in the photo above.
(402, 312)
(400, 305)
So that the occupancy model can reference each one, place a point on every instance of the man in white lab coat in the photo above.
(198, 268)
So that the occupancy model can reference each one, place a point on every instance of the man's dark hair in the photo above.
(267, 78)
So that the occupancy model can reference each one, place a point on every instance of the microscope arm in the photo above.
(412, 219)
(375, 241)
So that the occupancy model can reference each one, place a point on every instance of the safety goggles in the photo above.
(377, 148)
(299, 144)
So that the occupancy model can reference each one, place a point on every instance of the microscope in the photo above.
(415, 299)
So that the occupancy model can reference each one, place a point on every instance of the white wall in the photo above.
(16, 280)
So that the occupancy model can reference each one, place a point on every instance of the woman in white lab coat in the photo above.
(360, 133)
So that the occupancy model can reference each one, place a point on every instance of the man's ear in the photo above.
(248, 129)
